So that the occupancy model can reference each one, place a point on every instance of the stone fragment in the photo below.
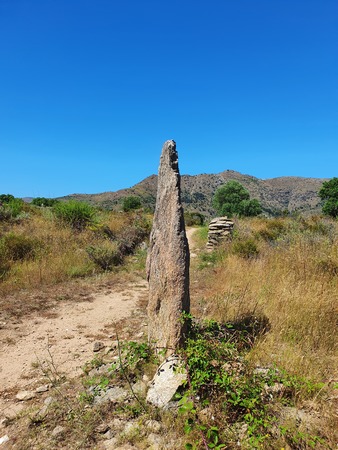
(155, 441)
(169, 376)
(4, 439)
(41, 389)
(113, 395)
(168, 258)
(98, 346)
(153, 425)
(102, 428)
(58, 432)
(25, 395)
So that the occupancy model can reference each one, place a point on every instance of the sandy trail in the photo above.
(65, 340)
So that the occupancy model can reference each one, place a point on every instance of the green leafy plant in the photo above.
(78, 215)
(329, 193)
(246, 248)
(131, 203)
(233, 199)
(44, 202)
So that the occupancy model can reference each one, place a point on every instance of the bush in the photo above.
(329, 193)
(6, 198)
(193, 218)
(16, 247)
(11, 209)
(105, 256)
(273, 230)
(233, 198)
(78, 215)
(42, 201)
(246, 248)
(130, 203)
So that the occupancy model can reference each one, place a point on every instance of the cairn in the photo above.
(219, 229)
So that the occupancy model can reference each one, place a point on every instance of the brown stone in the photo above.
(168, 258)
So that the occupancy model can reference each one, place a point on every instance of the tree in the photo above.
(233, 198)
(6, 198)
(329, 193)
(42, 201)
(131, 202)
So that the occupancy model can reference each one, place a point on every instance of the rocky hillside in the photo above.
(275, 194)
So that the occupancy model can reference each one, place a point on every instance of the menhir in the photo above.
(168, 259)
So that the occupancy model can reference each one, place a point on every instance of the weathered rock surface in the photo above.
(168, 377)
(25, 395)
(168, 258)
(220, 228)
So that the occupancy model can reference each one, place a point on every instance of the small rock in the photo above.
(25, 395)
(117, 424)
(125, 447)
(155, 441)
(4, 439)
(58, 432)
(41, 389)
(110, 444)
(169, 376)
(98, 346)
(113, 395)
(48, 401)
(140, 388)
(108, 434)
(103, 428)
(153, 426)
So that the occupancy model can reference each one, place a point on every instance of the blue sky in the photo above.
(90, 90)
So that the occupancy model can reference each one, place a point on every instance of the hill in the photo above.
(275, 194)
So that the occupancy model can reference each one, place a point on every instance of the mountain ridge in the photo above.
(289, 193)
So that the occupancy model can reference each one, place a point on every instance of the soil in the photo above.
(60, 339)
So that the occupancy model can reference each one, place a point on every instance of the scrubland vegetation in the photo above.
(263, 329)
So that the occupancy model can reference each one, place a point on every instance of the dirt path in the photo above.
(63, 338)
(64, 341)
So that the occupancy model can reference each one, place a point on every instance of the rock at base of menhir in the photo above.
(168, 259)
(220, 228)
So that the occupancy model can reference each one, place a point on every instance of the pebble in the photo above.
(4, 439)
(98, 345)
(25, 395)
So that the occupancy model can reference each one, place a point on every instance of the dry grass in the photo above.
(292, 281)
(58, 257)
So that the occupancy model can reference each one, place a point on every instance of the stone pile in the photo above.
(219, 229)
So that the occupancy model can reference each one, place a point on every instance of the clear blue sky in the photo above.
(90, 90)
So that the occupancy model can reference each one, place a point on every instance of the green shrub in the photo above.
(193, 218)
(11, 209)
(16, 247)
(105, 256)
(42, 201)
(233, 199)
(274, 229)
(130, 203)
(6, 198)
(78, 215)
(246, 248)
(329, 193)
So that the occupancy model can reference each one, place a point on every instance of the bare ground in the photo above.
(60, 340)
(58, 334)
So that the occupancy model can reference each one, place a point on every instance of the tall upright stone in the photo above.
(168, 258)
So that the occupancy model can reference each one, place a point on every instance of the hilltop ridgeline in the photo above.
(275, 194)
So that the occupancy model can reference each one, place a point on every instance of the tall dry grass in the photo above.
(60, 252)
(293, 281)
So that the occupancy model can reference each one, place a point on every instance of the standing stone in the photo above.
(168, 258)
